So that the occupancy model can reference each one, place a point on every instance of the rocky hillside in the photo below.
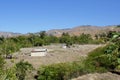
(83, 29)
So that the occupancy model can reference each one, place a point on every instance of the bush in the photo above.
(22, 68)
(96, 60)
(61, 71)
(2, 62)
(102, 59)
(85, 39)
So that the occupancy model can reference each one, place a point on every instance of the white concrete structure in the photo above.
(64, 47)
(39, 52)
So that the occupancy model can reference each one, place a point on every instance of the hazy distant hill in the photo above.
(9, 34)
(83, 29)
(72, 31)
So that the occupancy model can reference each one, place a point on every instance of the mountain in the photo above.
(87, 29)
(83, 29)
(9, 34)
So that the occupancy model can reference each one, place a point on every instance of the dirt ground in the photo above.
(55, 54)
(98, 76)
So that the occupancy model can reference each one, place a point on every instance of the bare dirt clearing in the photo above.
(55, 54)
(98, 76)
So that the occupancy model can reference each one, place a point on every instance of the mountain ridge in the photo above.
(9, 34)
(83, 29)
(87, 29)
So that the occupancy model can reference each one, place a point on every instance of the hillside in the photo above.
(87, 29)
(9, 34)
(83, 29)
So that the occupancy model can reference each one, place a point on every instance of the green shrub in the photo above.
(96, 60)
(61, 71)
(22, 68)
(102, 59)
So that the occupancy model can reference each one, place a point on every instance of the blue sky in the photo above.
(36, 15)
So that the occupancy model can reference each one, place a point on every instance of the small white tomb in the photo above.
(39, 52)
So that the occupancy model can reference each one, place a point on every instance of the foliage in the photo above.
(106, 36)
(82, 39)
(93, 61)
(9, 74)
(2, 62)
(13, 44)
(67, 71)
(107, 57)
(22, 68)
(61, 71)
(65, 38)
(17, 72)
(85, 38)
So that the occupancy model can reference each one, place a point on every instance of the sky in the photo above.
(24, 16)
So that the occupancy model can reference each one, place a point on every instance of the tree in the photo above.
(85, 38)
(53, 39)
(31, 38)
(2, 39)
(42, 34)
(75, 39)
(8, 47)
(65, 38)
(107, 57)
(38, 42)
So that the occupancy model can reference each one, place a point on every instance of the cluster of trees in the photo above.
(106, 36)
(82, 39)
(13, 44)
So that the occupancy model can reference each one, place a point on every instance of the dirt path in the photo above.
(56, 54)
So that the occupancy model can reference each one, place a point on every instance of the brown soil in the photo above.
(97, 76)
(55, 54)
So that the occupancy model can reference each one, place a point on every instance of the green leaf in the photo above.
(118, 60)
